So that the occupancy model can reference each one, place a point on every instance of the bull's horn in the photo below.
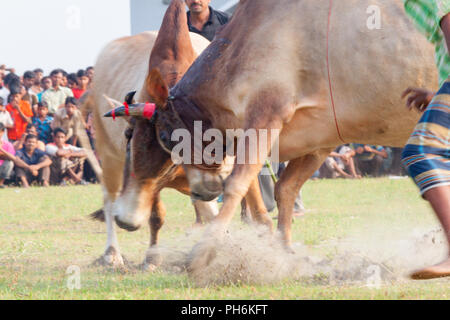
(141, 110)
(129, 97)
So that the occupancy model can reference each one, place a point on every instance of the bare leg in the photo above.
(352, 169)
(75, 177)
(24, 182)
(340, 171)
(439, 199)
(292, 179)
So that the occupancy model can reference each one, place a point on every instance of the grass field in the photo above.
(45, 231)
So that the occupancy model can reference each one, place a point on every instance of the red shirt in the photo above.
(77, 93)
(20, 125)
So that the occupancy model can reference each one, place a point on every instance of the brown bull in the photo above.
(319, 74)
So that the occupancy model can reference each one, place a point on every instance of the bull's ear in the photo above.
(157, 88)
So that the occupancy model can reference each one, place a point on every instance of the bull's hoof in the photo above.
(111, 258)
(153, 260)
(149, 267)
(289, 248)
(200, 257)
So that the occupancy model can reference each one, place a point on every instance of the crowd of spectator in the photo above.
(355, 161)
(40, 122)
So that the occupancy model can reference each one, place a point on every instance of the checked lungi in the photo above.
(427, 152)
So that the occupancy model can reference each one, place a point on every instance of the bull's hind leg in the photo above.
(287, 188)
(256, 204)
(153, 256)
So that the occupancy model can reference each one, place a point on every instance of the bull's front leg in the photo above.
(287, 188)
(267, 126)
(205, 211)
(112, 254)
(153, 256)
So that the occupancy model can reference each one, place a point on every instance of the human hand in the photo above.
(368, 148)
(418, 98)
(33, 169)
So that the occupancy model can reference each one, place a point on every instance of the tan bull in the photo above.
(318, 71)
(122, 67)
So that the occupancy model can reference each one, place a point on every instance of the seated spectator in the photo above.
(43, 123)
(69, 119)
(67, 160)
(46, 83)
(82, 84)
(21, 114)
(31, 129)
(369, 159)
(340, 163)
(6, 163)
(36, 165)
(5, 121)
(57, 94)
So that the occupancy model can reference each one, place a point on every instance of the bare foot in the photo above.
(437, 271)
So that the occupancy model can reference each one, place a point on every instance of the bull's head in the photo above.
(161, 119)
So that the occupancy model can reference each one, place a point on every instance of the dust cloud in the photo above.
(249, 255)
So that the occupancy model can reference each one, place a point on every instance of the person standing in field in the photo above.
(427, 153)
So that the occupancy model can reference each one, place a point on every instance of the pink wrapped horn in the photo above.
(140, 110)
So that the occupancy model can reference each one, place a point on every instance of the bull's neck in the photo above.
(198, 90)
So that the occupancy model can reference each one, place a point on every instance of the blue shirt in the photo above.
(44, 128)
(34, 159)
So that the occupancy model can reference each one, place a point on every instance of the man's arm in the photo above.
(45, 163)
(445, 26)
(17, 161)
(22, 115)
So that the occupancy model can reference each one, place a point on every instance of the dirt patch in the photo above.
(251, 256)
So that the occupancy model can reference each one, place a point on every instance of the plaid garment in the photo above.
(427, 15)
(427, 153)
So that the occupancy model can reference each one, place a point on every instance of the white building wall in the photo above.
(66, 34)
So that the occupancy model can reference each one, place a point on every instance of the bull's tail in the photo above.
(98, 215)
(86, 107)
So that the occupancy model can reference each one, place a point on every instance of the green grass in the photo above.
(44, 231)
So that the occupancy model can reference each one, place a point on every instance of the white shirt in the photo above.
(51, 149)
(4, 93)
(7, 121)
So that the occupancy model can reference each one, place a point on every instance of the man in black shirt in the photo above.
(203, 19)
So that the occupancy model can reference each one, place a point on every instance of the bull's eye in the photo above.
(163, 136)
